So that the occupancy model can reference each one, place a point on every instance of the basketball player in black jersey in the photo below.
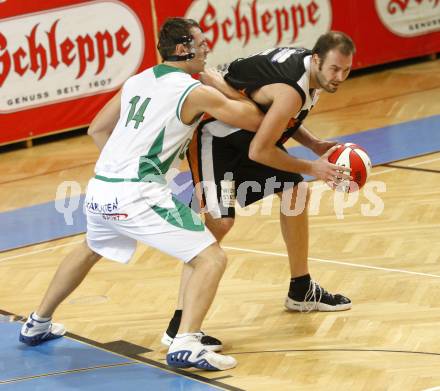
(285, 83)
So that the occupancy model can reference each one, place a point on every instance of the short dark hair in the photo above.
(172, 30)
(333, 40)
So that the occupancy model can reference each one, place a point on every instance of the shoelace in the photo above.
(199, 336)
(32, 323)
(310, 299)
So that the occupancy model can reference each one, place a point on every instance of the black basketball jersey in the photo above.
(280, 65)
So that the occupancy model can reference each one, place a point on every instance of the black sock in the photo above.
(174, 324)
(299, 287)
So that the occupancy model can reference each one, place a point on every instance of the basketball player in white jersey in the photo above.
(143, 132)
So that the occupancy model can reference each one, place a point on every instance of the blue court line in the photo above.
(18, 360)
(127, 378)
(391, 143)
(41, 223)
(38, 224)
(43, 362)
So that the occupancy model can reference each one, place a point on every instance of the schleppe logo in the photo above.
(67, 53)
(409, 18)
(240, 28)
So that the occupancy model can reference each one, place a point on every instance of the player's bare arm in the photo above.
(213, 78)
(105, 121)
(286, 102)
(242, 114)
(309, 140)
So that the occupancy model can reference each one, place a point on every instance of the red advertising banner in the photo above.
(61, 60)
(383, 30)
(390, 30)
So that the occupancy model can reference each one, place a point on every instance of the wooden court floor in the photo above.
(387, 264)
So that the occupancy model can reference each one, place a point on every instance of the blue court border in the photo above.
(41, 223)
(91, 352)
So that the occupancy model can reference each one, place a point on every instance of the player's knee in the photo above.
(218, 258)
(212, 259)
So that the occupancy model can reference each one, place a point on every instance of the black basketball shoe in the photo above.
(316, 299)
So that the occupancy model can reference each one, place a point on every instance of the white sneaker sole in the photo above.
(301, 306)
(205, 360)
(166, 340)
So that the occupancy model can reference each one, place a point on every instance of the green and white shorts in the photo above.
(120, 213)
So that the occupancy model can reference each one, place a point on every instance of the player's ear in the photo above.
(181, 49)
(316, 60)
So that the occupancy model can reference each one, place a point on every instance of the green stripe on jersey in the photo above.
(151, 169)
(181, 216)
(114, 180)
(163, 69)
(183, 97)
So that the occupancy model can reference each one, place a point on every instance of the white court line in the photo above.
(248, 250)
(40, 251)
(424, 162)
(383, 172)
(409, 165)
(263, 252)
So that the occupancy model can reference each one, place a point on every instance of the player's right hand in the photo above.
(328, 172)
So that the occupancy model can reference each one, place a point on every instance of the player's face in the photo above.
(333, 70)
(201, 50)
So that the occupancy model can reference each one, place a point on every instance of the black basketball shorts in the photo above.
(223, 173)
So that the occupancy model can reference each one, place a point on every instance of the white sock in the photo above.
(40, 318)
(184, 335)
(186, 338)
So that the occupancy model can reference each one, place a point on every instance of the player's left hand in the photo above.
(322, 146)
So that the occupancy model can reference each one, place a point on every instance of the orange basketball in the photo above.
(355, 157)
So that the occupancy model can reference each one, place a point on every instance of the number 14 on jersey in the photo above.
(137, 116)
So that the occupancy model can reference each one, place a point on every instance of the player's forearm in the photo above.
(305, 137)
(100, 138)
(105, 121)
(240, 114)
(229, 91)
(214, 79)
(274, 157)
(100, 130)
(250, 117)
